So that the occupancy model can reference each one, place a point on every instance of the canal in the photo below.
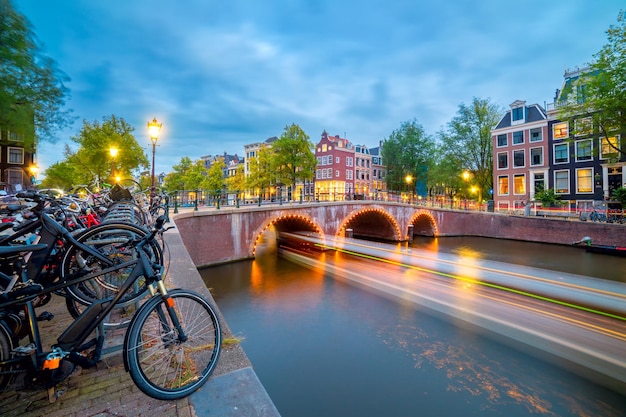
(322, 347)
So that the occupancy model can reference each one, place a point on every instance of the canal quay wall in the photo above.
(230, 234)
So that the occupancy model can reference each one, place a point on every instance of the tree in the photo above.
(467, 141)
(59, 175)
(293, 156)
(600, 91)
(260, 176)
(175, 180)
(238, 181)
(407, 151)
(32, 89)
(92, 162)
(215, 181)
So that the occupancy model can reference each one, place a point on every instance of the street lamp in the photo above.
(154, 128)
(33, 173)
(113, 152)
(409, 180)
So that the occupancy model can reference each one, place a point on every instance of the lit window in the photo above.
(584, 182)
(560, 130)
(609, 147)
(503, 185)
(519, 184)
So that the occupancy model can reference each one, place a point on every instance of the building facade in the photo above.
(18, 165)
(520, 156)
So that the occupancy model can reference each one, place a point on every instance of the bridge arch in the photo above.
(424, 224)
(372, 222)
(284, 223)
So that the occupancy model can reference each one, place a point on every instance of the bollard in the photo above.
(195, 202)
(175, 202)
(259, 200)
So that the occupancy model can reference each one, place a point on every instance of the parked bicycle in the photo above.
(96, 252)
(171, 346)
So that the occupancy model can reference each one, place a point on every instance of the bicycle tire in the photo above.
(6, 346)
(108, 239)
(162, 366)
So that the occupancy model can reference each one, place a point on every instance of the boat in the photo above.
(614, 250)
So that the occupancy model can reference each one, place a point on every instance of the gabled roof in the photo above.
(533, 112)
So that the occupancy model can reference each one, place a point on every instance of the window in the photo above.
(349, 174)
(560, 130)
(561, 154)
(583, 126)
(608, 147)
(16, 155)
(503, 185)
(14, 176)
(518, 159)
(518, 114)
(349, 161)
(503, 160)
(502, 140)
(518, 137)
(583, 150)
(561, 182)
(536, 156)
(337, 159)
(519, 184)
(337, 174)
(539, 182)
(584, 183)
(324, 147)
(15, 137)
(536, 135)
(318, 174)
(329, 172)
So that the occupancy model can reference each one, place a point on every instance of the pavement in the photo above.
(107, 390)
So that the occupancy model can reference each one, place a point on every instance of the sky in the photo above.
(223, 74)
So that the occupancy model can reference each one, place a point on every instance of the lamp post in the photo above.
(409, 180)
(113, 152)
(154, 128)
(33, 174)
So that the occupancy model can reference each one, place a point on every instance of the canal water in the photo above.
(322, 347)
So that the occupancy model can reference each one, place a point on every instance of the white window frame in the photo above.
(578, 170)
(13, 149)
(518, 151)
(508, 184)
(539, 138)
(556, 191)
(613, 152)
(506, 153)
(560, 130)
(576, 145)
(523, 176)
(554, 146)
(530, 152)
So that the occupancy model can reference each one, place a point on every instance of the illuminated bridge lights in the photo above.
(298, 219)
(429, 217)
(341, 231)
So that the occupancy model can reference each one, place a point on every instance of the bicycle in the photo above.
(70, 255)
(171, 346)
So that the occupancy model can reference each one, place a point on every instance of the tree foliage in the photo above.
(91, 163)
(293, 156)
(32, 89)
(467, 142)
(407, 151)
(261, 175)
(601, 90)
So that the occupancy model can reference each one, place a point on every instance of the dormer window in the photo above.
(518, 114)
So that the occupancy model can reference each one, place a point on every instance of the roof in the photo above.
(533, 112)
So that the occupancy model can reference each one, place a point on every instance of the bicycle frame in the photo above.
(71, 341)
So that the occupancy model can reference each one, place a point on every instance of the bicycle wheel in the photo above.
(6, 346)
(115, 241)
(161, 364)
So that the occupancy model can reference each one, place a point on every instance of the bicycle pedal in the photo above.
(25, 350)
(45, 316)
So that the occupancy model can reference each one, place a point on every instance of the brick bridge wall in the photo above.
(216, 236)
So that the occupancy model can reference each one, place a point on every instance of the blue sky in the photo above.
(222, 74)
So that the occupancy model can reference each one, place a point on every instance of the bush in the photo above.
(547, 197)
(619, 194)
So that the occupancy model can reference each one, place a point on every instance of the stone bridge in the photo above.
(216, 236)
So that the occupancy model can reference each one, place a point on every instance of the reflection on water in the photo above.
(323, 347)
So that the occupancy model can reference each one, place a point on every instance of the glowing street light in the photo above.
(154, 128)
(113, 152)
(409, 180)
